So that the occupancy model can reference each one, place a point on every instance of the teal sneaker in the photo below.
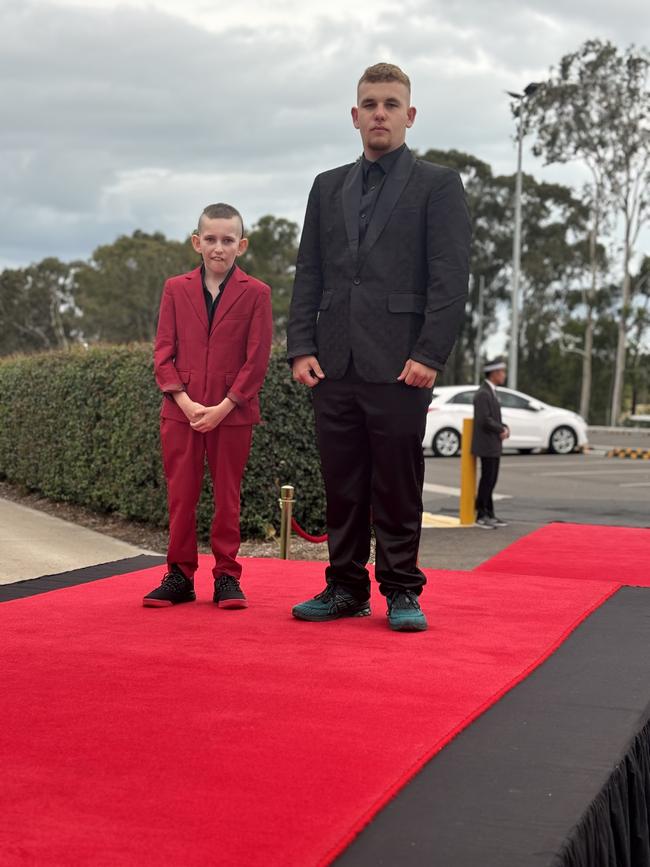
(334, 602)
(404, 612)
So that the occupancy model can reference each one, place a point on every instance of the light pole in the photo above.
(516, 241)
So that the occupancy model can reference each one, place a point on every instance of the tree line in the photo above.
(585, 317)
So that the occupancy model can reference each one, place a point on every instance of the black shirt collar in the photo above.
(385, 162)
(223, 283)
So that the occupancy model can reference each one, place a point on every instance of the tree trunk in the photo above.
(621, 345)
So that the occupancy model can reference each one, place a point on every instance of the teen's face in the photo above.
(382, 116)
(219, 242)
(498, 377)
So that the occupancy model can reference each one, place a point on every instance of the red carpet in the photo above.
(586, 551)
(195, 736)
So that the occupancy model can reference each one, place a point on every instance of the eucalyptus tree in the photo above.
(595, 108)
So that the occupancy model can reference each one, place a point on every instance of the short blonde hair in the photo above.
(385, 72)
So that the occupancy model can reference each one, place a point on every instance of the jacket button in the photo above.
(357, 281)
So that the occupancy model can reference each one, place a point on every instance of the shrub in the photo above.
(81, 426)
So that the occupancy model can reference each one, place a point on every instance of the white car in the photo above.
(533, 424)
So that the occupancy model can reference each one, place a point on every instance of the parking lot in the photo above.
(537, 488)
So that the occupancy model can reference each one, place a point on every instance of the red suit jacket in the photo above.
(231, 360)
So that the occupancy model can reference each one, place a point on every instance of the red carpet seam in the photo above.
(381, 802)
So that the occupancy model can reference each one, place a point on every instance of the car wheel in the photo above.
(563, 441)
(446, 443)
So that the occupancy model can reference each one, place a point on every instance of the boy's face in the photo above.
(382, 116)
(219, 242)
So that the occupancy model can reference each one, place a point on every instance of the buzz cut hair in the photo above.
(385, 72)
(220, 211)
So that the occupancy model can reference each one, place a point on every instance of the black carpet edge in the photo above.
(615, 827)
(46, 583)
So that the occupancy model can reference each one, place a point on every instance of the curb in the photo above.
(633, 454)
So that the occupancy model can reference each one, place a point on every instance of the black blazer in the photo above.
(486, 442)
(399, 295)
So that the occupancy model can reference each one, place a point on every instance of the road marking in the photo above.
(595, 472)
(524, 465)
(635, 485)
(455, 492)
(430, 520)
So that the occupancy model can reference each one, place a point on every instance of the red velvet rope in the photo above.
(295, 526)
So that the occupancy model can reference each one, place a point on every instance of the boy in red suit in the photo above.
(211, 355)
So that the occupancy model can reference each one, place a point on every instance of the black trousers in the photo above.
(370, 442)
(489, 476)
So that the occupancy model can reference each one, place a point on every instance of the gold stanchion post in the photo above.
(467, 476)
(286, 506)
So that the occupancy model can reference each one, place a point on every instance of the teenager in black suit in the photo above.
(487, 441)
(379, 294)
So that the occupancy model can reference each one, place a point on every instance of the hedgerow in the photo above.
(82, 426)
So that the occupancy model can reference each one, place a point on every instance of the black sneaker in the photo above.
(498, 522)
(332, 603)
(174, 589)
(486, 523)
(404, 612)
(228, 593)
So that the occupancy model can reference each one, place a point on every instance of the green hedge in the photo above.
(82, 427)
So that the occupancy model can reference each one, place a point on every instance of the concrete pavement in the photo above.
(34, 544)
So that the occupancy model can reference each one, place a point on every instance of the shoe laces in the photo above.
(227, 582)
(174, 581)
(403, 599)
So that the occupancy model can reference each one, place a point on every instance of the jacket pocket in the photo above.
(407, 302)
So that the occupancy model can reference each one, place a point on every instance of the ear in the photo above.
(196, 242)
(355, 116)
(243, 246)
(411, 111)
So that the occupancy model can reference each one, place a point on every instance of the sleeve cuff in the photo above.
(235, 398)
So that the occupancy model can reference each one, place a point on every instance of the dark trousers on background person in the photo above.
(489, 476)
(370, 441)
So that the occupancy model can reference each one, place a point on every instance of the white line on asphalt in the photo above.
(619, 472)
(455, 492)
(635, 485)
(525, 465)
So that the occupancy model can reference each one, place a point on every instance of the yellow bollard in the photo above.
(467, 476)
(286, 506)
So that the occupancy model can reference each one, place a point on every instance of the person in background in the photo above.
(487, 441)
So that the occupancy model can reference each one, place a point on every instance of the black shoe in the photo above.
(228, 593)
(404, 612)
(332, 603)
(486, 523)
(498, 522)
(174, 589)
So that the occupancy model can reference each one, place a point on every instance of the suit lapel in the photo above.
(390, 192)
(194, 290)
(351, 198)
(235, 288)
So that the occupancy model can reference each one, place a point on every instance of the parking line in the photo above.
(455, 492)
(595, 472)
(635, 485)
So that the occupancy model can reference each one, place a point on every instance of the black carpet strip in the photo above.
(556, 774)
(34, 586)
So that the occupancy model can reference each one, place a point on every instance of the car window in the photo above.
(463, 397)
(512, 401)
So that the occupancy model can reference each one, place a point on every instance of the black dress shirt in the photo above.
(374, 174)
(211, 303)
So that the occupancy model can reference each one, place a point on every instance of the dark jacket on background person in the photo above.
(486, 440)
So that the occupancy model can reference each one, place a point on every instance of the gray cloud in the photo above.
(128, 118)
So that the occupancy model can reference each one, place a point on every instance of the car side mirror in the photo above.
(533, 406)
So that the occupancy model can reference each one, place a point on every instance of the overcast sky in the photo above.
(118, 116)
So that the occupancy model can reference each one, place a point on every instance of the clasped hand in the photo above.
(206, 418)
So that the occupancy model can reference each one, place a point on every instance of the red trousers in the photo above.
(184, 451)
